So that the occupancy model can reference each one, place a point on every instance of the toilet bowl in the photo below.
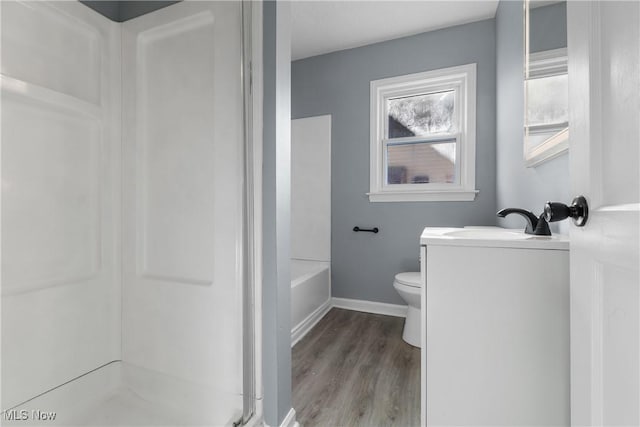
(409, 286)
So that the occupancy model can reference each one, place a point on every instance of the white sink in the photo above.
(490, 237)
(489, 233)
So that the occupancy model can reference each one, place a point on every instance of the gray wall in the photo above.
(518, 186)
(364, 264)
(276, 284)
(548, 27)
(110, 9)
(133, 9)
(121, 11)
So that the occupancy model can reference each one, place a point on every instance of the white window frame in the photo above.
(538, 65)
(462, 79)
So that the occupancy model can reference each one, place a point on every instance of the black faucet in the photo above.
(537, 226)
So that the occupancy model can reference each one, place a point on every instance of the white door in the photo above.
(182, 226)
(604, 70)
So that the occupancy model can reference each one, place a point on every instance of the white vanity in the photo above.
(496, 326)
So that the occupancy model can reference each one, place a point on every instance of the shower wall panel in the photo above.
(311, 188)
(60, 81)
(182, 105)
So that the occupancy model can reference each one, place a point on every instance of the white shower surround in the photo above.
(310, 223)
(310, 295)
(74, 310)
(60, 195)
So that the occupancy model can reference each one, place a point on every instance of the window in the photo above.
(546, 106)
(423, 136)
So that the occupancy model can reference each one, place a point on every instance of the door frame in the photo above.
(252, 283)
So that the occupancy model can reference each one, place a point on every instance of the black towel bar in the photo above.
(370, 230)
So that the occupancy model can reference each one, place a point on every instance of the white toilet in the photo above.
(408, 286)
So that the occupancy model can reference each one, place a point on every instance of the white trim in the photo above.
(423, 336)
(257, 100)
(423, 196)
(548, 62)
(370, 307)
(289, 420)
(463, 79)
(551, 148)
(301, 329)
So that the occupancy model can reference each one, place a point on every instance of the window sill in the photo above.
(424, 196)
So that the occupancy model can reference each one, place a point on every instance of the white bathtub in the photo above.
(310, 295)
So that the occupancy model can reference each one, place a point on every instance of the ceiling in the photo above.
(320, 27)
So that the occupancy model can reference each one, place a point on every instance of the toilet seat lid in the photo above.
(411, 278)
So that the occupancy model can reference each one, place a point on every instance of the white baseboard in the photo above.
(370, 307)
(290, 419)
(301, 329)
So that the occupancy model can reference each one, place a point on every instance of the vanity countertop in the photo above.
(494, 237)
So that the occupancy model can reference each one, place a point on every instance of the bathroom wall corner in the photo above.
(517, 185)
(276, 212)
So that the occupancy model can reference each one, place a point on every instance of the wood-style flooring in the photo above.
(354, 369)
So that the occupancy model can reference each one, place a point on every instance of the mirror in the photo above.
(546, 121)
